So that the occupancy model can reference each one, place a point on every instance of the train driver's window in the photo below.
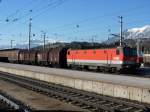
(68, 52)
(94, 52)
(117, 52)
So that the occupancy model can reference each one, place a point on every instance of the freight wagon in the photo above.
(9, 55)
(28, 57)
(57, 57)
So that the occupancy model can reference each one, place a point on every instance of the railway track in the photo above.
(83, 99)
(9, 104)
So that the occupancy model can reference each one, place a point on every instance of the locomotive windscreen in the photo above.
(130, 52)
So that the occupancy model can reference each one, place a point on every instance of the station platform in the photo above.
(129, 87)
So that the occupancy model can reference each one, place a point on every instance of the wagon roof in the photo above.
(10, 49)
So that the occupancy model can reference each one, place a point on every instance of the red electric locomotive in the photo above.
(108, 58)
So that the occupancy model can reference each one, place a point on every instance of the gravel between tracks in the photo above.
(36, 101)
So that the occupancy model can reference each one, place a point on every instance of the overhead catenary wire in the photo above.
(80, 22)
(45, 10)
(53, 5)
(9, 17)
(37, 11)
(100, 16)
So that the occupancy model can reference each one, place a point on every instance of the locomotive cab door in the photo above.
(109, 59)
(73, 58)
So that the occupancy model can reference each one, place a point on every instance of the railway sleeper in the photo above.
(138, 110)
(127, 109)
(69, 99)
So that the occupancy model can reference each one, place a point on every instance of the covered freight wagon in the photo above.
(9, 55)
(57, 57)
(28, 57)
(42, 57)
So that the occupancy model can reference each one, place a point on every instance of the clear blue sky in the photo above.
(69, 20)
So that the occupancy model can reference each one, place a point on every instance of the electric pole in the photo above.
(121, 25)
(11, 43)
(44, 36)
(109, 31)
(30, 25)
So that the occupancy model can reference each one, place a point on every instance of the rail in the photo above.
(13, 104)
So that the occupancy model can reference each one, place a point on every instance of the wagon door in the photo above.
(69, 58)
(108, 55)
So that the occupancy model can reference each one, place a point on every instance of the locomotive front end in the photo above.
(130, 58)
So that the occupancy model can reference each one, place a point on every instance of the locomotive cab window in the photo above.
(130, 52)
(68, 52)
(117, 52)
(85, 52)
(94, 52)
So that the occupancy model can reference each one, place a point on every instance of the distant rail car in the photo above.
(112, 59)
(146, 59)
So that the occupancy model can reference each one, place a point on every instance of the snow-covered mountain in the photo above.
(134, 33)
(143, 32)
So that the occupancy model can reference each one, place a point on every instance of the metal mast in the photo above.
(30, 25)
(44, 36)
(11, 43)
(109, 30)
(121, 25)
